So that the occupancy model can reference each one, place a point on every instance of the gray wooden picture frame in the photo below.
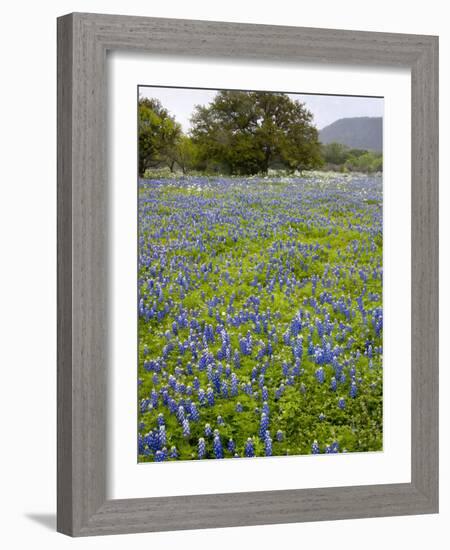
(83, 41)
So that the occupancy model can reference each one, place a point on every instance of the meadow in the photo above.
(260, 316)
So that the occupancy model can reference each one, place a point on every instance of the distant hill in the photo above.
(357, 133)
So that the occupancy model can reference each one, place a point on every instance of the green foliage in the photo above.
(340, 157)
(366, 162)
(159, 135)
(186, 154)
(335, 153)
(247, 132)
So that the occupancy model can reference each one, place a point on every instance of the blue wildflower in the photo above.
(217, 447)
(249, 450)
(186, 428)
(201, 448)
(320, 375)
(268, 444)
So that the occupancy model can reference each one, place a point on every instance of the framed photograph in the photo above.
(247, 274)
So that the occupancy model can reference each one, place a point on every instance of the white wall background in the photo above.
(28, 271)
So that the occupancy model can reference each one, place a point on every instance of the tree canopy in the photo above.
(248, 132)
(341, 157)
(159, 135)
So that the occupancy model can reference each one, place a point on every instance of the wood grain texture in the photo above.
(425, 272)
(64, 275)
(83, 197)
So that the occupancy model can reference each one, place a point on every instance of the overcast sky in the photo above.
(180, 102)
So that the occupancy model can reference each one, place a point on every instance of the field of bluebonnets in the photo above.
(260, 316)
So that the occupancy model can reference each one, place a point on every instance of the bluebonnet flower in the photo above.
(203, 362)
(209, 333)
(254, 373)
(321, 416)
(208, 430)
(231, 446)
(265, 394)
(320, 328)
(173, 452)
(186, 428)
(162, 435)
(202, 397)
(279, 435)
(320, 375)
(290, 381)
(268, 444)
(315, 449)
(172, 382)
(220, 421)
(333, 384)
(224, 388)
(210, 396)
(142, 446)
(377, 320)
(217, 446)
(333, 448)
(353, 390)
(160, 419)
(195, 415)
(249, 450)
(341, 403)
(296, 325)
(180, 414)
(161, 456)
(239, 407)
(216, 380)
(152, 440)
(297, 348)
(279, 391)
(201, 448)
(264, 425)
(154, 398)
(234, 385)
